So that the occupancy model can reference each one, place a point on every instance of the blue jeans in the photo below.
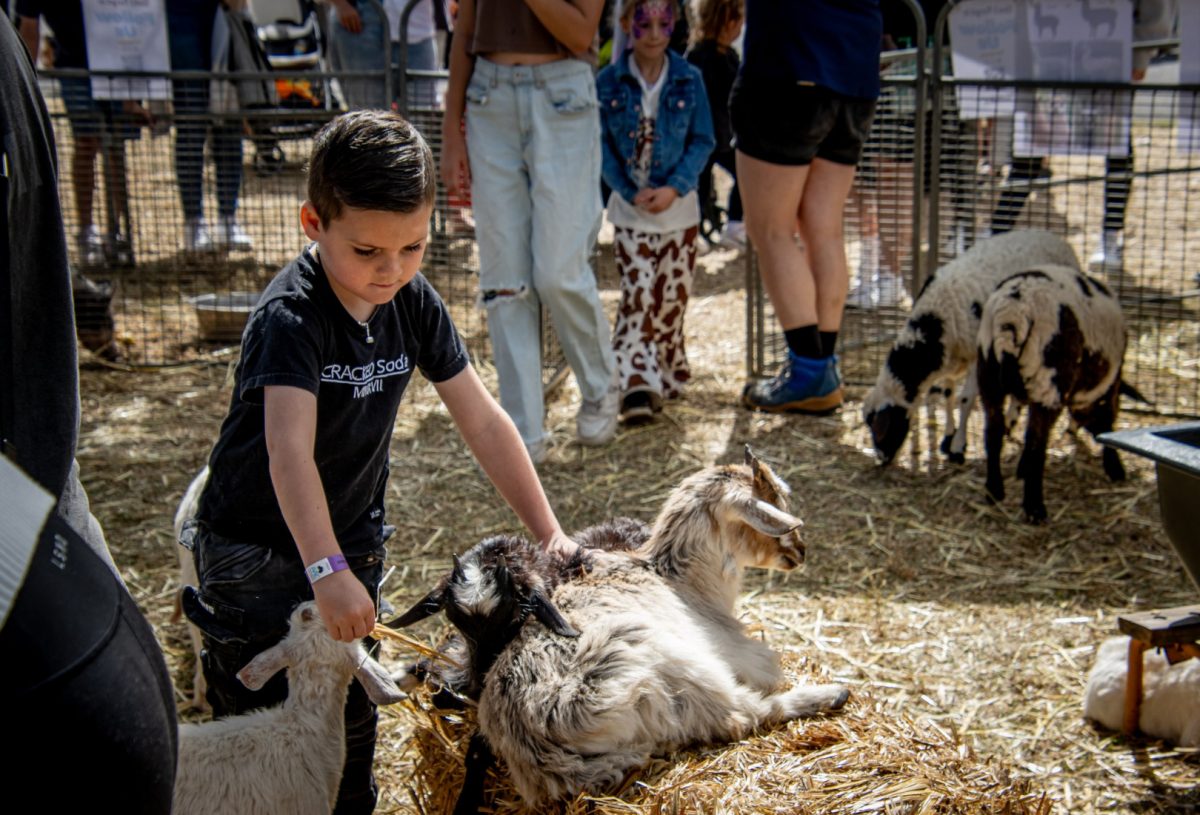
(190, 34)
(361, 52)
(533, 138)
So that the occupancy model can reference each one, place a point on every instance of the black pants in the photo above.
(726, 159)
(1118, 180)
(90, 712)
(252, 590)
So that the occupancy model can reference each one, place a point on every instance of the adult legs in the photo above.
(500, 194)
(563, 157)
(822, 228)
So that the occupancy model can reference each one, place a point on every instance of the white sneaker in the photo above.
(1110, 256)
(91, 246)
(196, 237)
(596, 422)
(734, 235)
(882, 290)
(231, 236)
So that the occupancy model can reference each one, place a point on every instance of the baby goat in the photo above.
(1052, 338)
(659, 661)
(287, 758)
(936, 347)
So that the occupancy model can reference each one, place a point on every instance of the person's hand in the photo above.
(345, 606)
(560, 544)
(657, 199)
(456, 166)
(348, 16)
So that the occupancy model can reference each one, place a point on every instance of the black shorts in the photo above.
(786, 123)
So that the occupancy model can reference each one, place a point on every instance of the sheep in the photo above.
(1170, 693)
(287, 758)
(657, 659)
(188, 506)
(936, 347)
(1052, 338)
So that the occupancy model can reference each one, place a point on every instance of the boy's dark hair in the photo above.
(370, 159)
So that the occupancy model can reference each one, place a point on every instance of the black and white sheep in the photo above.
(935, 350)
(1051, 338)
(660, 660)
(1170, 693)
(287, 758)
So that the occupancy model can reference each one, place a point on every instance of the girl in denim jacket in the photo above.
(657, 137)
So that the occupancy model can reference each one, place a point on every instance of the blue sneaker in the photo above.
(804, 385)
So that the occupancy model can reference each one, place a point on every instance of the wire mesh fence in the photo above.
(1105, 165)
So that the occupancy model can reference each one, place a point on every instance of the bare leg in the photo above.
(771, 195)
(821, 226)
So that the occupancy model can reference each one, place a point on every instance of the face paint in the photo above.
(650, 12)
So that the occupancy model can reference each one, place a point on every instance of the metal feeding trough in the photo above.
(1175, 449)
(223, 316)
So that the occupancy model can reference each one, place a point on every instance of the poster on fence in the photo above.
(1189, 73)
(1080, 41)
(129, 36)
(983, 39)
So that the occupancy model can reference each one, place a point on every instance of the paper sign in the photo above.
(983, 38)
(1189, 73)
(127, 35)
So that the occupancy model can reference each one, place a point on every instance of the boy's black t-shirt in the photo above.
(301, 336)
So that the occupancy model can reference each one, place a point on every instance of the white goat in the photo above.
(1051, 338)
(936, 347)
(659, 661)
(188, 506)
(287, 758)
(1170, 693)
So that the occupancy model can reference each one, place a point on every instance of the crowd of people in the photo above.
(294, 506)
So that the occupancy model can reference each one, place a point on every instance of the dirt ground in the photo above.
(918, 593)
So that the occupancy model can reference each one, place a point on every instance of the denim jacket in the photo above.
(683, 131)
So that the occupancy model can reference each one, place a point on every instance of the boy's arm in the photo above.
(291, 427)
(497, 446)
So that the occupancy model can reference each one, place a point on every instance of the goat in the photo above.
(937, 344)
(287, 758)
(1052, 338)
(659, 660)
(1170, 693)
(186, 511)
(1097, 17)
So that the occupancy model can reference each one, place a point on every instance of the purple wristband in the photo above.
(325, 567)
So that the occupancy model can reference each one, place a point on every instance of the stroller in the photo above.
(291, 37)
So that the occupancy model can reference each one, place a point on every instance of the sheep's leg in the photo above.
(993, 442)
(1101, 419)
(1033, 459)
(955, 445)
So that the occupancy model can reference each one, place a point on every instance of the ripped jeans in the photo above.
(533, 138)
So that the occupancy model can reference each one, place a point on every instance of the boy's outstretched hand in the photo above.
(345, 606)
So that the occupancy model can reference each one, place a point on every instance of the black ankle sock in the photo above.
(804, 341)
(828, 343)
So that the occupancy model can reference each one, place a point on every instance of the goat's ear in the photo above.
(263, 667)
(767, 486)
(550, 616)
(427, 606)
(379, 686)
(767, 518)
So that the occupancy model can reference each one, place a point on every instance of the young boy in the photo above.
(294, 504)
